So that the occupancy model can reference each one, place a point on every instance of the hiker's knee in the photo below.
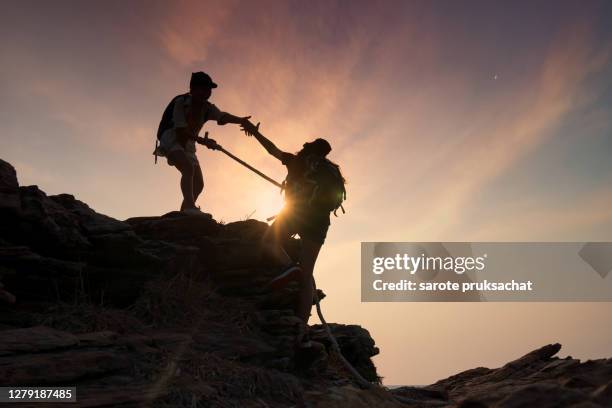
(180, 160)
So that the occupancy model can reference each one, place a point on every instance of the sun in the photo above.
(267, 204)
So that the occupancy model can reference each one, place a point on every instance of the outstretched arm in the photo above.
(223, 118)
(252, 130)
(229, 118)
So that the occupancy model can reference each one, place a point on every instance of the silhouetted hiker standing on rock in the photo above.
(314, 187)
(178, 131)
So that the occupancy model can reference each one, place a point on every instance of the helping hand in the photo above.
(249, 128)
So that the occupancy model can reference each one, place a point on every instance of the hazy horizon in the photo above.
(481, 121)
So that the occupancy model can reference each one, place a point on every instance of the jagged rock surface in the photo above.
(172, 311)
(538, 379)
(165, 311)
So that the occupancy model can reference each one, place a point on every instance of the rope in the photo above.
(363, 383)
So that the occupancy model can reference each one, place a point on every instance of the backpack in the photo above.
(322, 186)
(167, 122)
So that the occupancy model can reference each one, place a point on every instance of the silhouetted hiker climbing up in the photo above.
(178, 131)
(314, 187)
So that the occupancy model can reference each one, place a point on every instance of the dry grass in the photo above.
(211, 381)
(185, 302)
(191, 377)
(86, 317)
(175, 301)
(207, 379)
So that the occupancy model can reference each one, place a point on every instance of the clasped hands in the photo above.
(248, 127)
(245, 125)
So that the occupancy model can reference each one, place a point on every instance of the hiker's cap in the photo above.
(199, 79)
(320, 146)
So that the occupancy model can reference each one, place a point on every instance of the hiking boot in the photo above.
(291, 273)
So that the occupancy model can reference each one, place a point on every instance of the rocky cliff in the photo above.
(172, 311)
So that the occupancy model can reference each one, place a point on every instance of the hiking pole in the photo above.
(245, 164)
(248, 166)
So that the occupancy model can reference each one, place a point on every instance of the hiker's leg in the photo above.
(308, 257)
(198, 182)
(180, 160)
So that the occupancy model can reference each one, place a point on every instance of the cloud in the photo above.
(587, 218)
(502, 132)
(188, 29)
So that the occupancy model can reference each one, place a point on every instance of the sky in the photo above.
(452, 121)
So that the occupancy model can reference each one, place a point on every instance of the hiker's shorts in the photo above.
(169, 143)
(308, 224)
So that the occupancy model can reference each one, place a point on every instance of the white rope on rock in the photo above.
(363, 383)
(335, 346)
